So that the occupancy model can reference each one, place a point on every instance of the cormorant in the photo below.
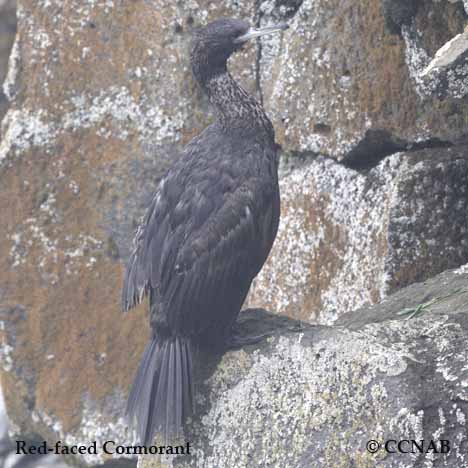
(206, 235)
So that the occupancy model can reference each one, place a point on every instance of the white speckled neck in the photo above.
(235, 107)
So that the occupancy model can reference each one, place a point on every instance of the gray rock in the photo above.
(313, 396)
(349, 237)
(448, 70)
(446, 74)
(7, 36)
(357, 76)
(465, 4)
(8, 456)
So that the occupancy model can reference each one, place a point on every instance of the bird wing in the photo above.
(136, 281)
(194, 234)
(212, 269)
(153, 238)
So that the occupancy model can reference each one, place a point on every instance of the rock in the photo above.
(465, 4)
(349, 238)
(449, 53)
(398, 13)
(315, 395)
(7, 36)
(130, 111)
(447, 73)
(357, 76)
(101, 101)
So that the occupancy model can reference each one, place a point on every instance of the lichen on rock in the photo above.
(313, 395)
(349, 238)
(358, 76)
(7, 36)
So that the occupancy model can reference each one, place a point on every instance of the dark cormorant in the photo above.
(206, 235)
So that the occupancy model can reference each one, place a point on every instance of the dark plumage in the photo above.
(205, 236)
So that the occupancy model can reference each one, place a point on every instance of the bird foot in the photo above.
(237, 341)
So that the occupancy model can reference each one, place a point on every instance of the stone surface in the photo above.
(358, 76)
(312, 396)
(465, 4)
(7, 36)
(101, 100)
(448, 54)
(347, 238)
(447, 72)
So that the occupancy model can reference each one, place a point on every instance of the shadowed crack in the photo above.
(379, 144)
(282, 11)
(370, 151)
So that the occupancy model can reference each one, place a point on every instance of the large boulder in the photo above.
(341, 74)
(315, 396)
(101, 101)
(348, 237)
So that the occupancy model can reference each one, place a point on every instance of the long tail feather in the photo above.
(161, 397)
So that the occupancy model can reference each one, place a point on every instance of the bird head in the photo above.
(216, 42)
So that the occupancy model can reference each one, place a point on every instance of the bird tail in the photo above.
(161, 397)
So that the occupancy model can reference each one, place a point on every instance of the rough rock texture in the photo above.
(347, 238)
(399, 12)
(102, 100)
(358, 76)
(449, 53)
(447, 73)
(312, 396)
(7, 36)
(465, 4)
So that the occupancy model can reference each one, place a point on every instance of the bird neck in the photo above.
(235, 108)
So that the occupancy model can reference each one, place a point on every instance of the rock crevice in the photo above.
(380, 144)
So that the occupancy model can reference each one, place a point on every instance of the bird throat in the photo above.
(235, 108)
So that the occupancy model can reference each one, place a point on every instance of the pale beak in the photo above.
(257, 32)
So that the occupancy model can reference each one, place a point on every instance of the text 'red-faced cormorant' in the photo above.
(206, 235)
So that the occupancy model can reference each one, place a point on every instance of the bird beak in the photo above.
(257, 32)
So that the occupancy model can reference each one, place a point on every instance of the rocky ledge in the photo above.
(315, 395)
